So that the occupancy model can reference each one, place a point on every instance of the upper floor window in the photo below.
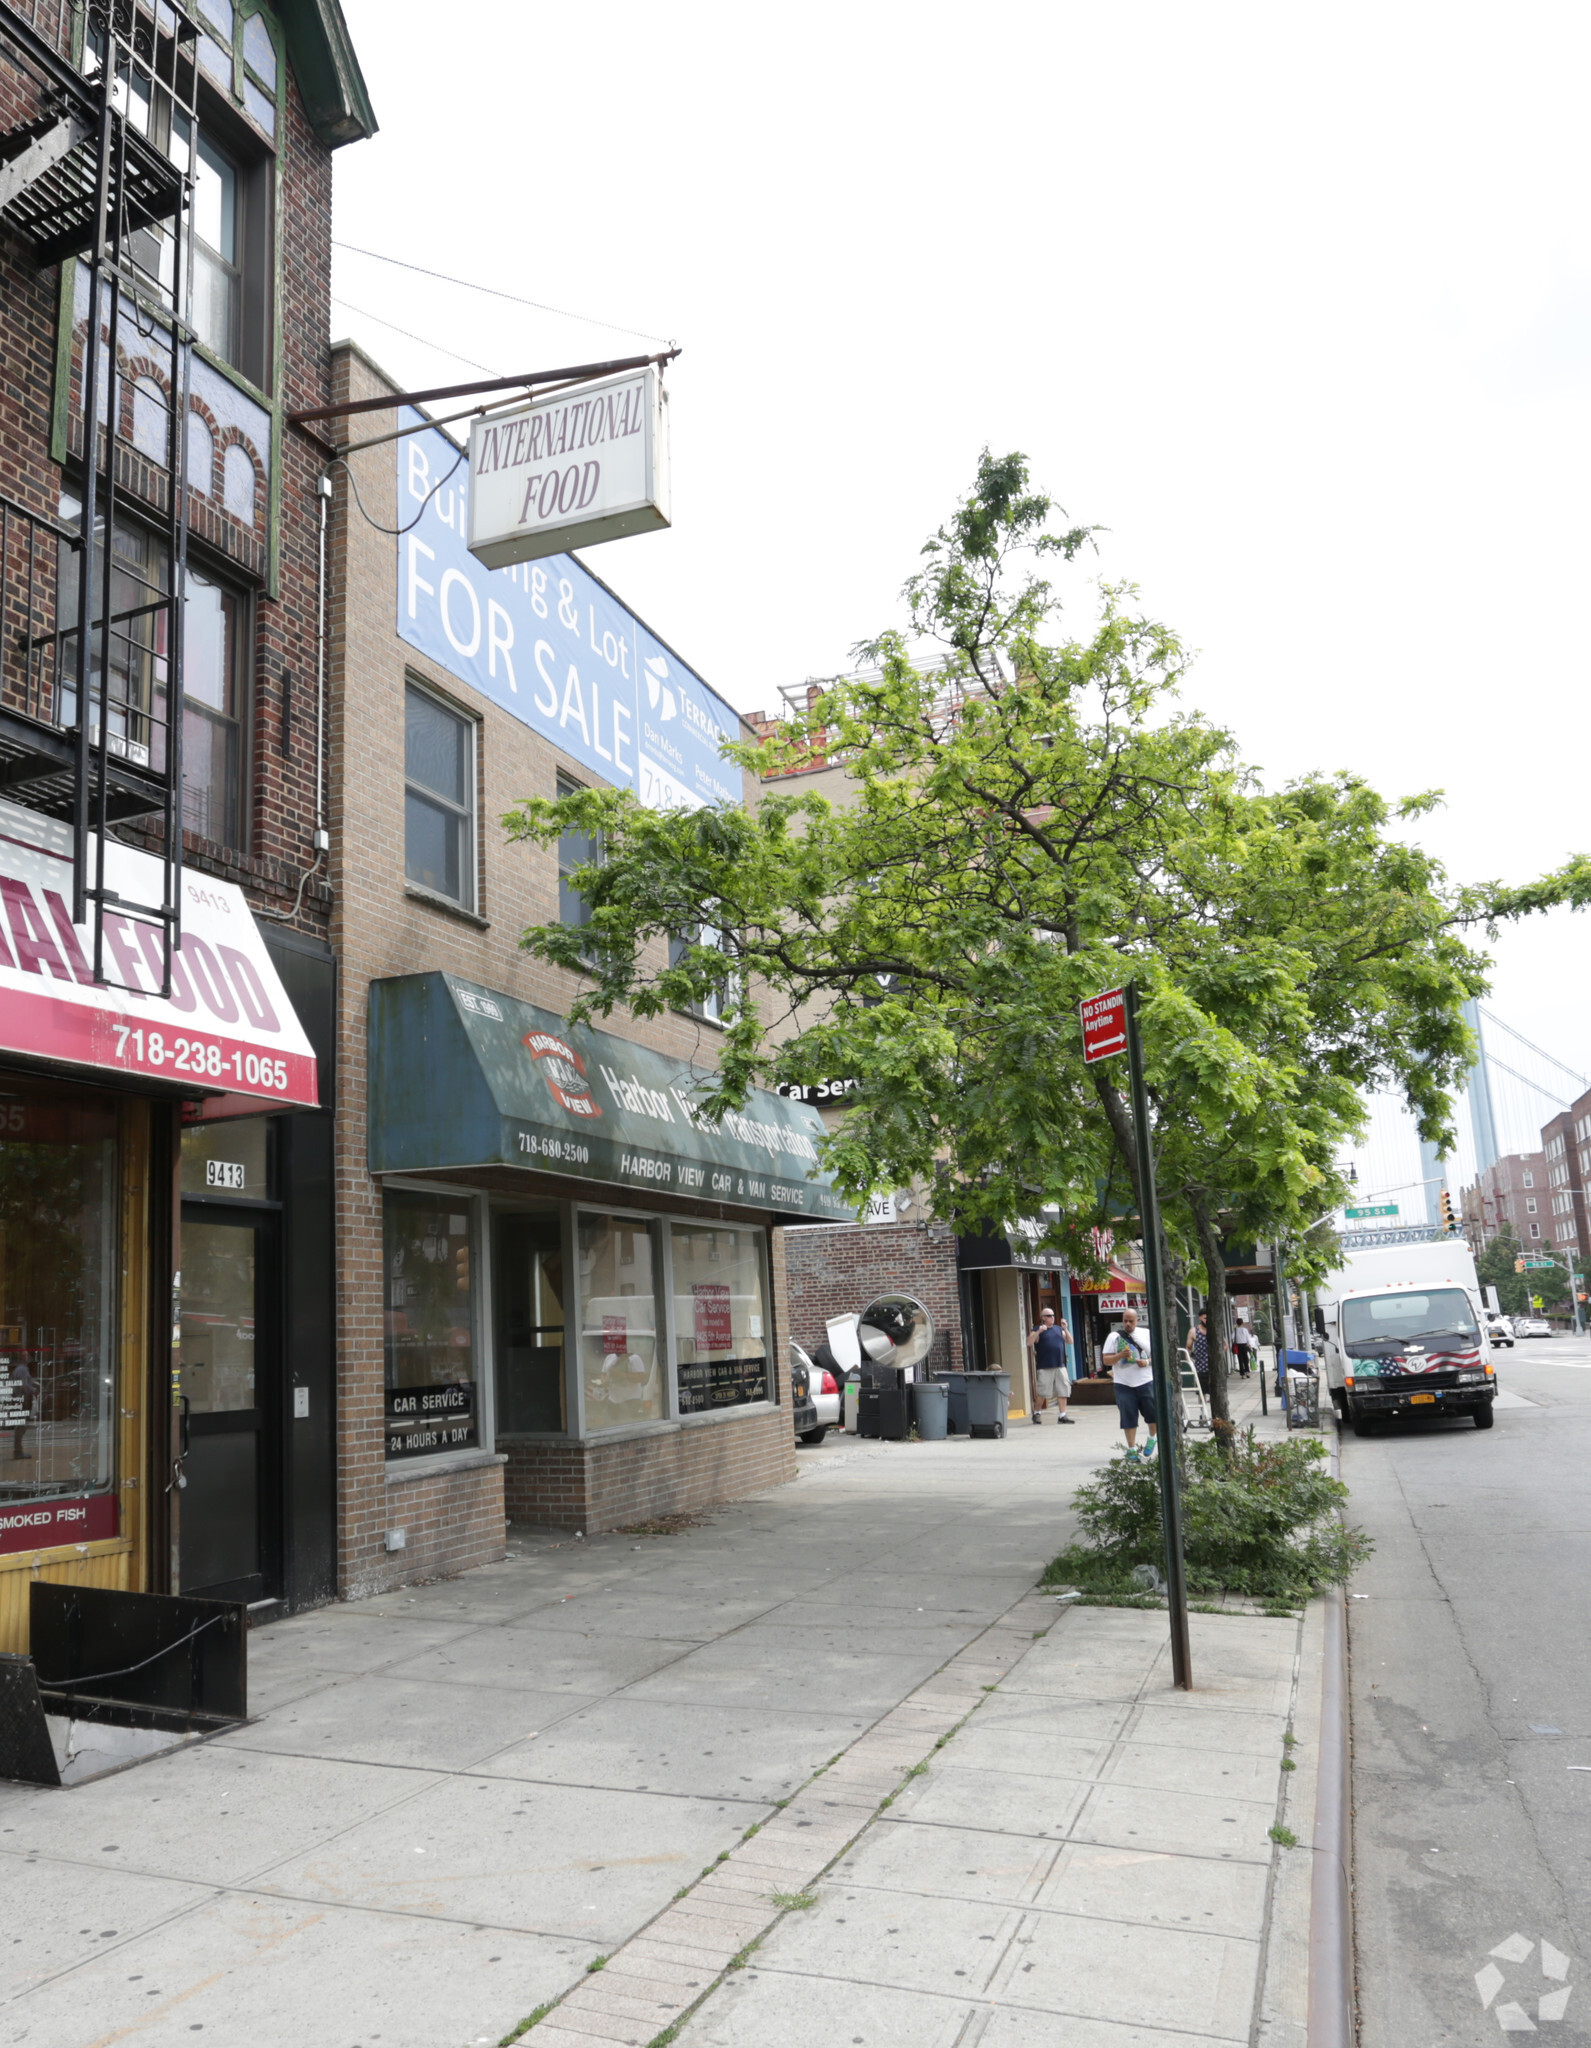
(439, 798)
(576, 849)
(711, 1008)
(229, 286)
(1530, 1179)
(1530, 1205)
(214, 673)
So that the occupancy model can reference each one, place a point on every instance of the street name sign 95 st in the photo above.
(1104, 1025)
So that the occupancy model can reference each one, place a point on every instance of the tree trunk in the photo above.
(1216, 1311)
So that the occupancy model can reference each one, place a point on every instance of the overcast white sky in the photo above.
(1296, 302)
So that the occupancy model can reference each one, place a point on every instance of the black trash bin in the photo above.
(881, 1406)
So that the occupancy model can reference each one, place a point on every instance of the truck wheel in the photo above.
(814, 1436)
(1483, 1416)
(1339, 1401)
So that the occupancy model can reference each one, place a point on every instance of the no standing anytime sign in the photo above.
(1104, 1025)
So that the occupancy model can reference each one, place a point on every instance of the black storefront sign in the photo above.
(721, 1383)
(424, 1420)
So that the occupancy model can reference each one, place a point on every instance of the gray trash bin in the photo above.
(930, 1409)
(955, 1386)
(988, 1398)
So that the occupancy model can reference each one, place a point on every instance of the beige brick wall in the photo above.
(379, 929)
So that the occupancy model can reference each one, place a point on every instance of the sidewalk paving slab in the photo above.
(267, 1885)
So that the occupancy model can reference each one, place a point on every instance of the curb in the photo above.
(1331, 2008)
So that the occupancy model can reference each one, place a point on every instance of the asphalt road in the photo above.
(1470, 1646)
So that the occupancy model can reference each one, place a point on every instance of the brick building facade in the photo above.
(597, 1417)
(221, 120)
(1513, 1191)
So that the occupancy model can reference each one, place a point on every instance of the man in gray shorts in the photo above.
(1051, 1345)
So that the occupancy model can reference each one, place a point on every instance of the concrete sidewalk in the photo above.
(453, 1802)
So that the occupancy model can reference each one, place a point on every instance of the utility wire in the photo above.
(420, 338)
(492, 292)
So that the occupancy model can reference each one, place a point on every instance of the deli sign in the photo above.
(583, 465)
(227, 1026)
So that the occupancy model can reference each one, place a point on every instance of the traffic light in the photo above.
(1449, 1220)
(1519, 1265)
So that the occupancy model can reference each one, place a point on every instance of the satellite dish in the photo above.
(896, 1330)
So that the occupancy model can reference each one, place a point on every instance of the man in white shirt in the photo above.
(1127, 1355)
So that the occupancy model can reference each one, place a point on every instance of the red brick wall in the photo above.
(449, 1522)
(597, 1486)
(837, 1269)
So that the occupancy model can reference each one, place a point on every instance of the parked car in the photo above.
(1500, 1330)
(826, 1398)
(803, 1378)
(1532, 1326)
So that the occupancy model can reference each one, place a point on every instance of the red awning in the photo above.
(1118, 1283)
(227, 1026)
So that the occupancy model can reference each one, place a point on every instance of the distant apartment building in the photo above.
(1565, 1179)
(1514, 1191)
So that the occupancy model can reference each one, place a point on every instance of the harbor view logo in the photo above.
(564, 1072)
(1512, 2016)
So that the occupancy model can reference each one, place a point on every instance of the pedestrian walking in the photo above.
(1243, 1345)
(1201, 1351)
(1051, 1346)
(1127, 1355)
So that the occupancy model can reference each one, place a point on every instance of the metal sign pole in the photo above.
(1170, 1459)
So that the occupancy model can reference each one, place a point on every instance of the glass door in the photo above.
(527, 1304)
(228, 1379)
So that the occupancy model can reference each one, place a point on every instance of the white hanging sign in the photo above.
(582, 465)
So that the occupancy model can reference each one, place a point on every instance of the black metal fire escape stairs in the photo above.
(91, 658)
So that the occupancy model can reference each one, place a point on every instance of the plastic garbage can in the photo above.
(881, 1407)
(930, 1409)
(988, 1399)
(955, 1386)
(851, 1394)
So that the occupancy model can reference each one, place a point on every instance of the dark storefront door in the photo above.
(230, 1385)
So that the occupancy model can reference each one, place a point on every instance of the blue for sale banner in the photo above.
(554, 646)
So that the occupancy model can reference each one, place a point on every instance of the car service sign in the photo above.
(1104, 1025)
(578, 466)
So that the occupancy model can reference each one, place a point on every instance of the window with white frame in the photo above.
(1530, 1205)
(439, 798)
(1535, 1230)
(1529, 1179)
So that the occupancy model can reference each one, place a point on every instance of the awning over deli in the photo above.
(227, 1027)
(462, 1076)
(1118, 1283)
(1018, 1247)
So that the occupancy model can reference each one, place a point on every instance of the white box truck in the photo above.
(1405, 1335)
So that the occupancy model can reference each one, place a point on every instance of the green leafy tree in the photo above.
(1036, 818)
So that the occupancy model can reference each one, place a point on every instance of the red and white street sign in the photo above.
(1104, 1025)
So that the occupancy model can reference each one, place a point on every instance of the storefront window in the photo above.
(430, 1316)
(229, 1158)
(527, 1295)
(58, 1182)
(720, 1317)
(619, 1365)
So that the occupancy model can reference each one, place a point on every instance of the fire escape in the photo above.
(91, 653)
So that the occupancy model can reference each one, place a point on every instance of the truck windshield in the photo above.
(1376, 1320)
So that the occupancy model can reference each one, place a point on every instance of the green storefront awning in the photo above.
(462, 1076)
